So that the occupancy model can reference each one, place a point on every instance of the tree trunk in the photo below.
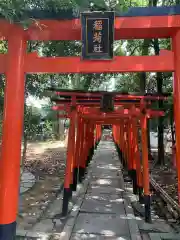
(145, 49)
(24, 150)
(142, 75)
(61, 130)
(159, 78)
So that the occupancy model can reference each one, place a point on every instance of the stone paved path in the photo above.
(104, 211)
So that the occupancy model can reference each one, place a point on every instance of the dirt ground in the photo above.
(166, 176)
(46, 160)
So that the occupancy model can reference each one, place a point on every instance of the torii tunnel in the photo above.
(137, 23)
(87, 112)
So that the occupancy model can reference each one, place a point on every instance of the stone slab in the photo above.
(160, 227)
(107, 159)
(145, 236)
(108, 164)
(109, 225)
(105, 197)
(106, 182)
(105, 207)
(86, 236)
(164, 236)
(95, 190)
(105, 175)
(27, 181)
(27, 176)
(54, 208)
(44, 226)
(104, 168)
(37, 236)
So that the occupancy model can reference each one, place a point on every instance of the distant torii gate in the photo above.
(138, 23)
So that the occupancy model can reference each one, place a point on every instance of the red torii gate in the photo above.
(18, 62)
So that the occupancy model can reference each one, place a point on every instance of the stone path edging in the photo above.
(133, 226)
(68, 228)
(28, 233)
(27, 182)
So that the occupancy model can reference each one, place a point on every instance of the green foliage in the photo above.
(35, 124)
(31, 121)
(127, 83)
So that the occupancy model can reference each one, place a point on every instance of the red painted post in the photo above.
(145, 162)
(121, 142)
(12, 133)
(69, 166)
(75, 139)
(114, 133)
(90, 144)
(81, 151)
(138, 161)
(124, 143)
(77, 151)
(176, 88)
(97, 134)
(100, 133)
(129, 153)
(118, 136)
(133, 158)
(85, 148)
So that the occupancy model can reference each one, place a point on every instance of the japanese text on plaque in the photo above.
(97, 36)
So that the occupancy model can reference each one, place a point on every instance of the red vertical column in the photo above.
(145, 162)
(75, 152)
(81, 151)
(89, 141)
(69, 165)
(129, 153)
(138, 161)
(125, 142)
(85, 148)
(12, 133)
(90, 144)
(118, 142)
(118, 136)
(114, 133)
(121, 143)
(99, 132)
(176, 49)
(133, 157)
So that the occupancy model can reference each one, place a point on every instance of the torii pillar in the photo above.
(176, 89)
(12, 133)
